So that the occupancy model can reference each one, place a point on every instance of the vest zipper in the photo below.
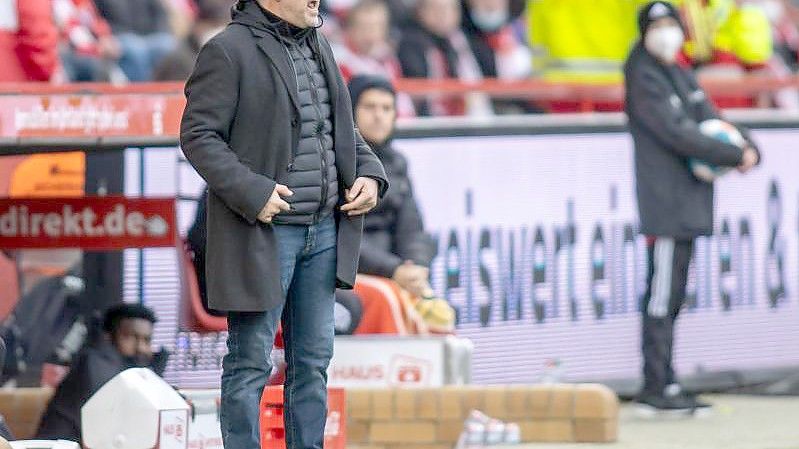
(319, 135)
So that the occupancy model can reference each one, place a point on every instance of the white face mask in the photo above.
(665, 43)
(489, 21)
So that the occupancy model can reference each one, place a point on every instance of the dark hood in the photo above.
(250, 14)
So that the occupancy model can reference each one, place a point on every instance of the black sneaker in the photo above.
(700, 407)
(652, 405)
(676, 391)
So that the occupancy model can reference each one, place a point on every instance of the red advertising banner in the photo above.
(90, 115)
(95, 223)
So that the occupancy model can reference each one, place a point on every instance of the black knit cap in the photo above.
(653, 11)
(361, 83)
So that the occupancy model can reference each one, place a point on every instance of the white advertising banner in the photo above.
(540, 254)
(378, 362)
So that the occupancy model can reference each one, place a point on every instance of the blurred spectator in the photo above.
(126, 344)
(581, 40)
(437, 49)
(212, 17)
(730, 40)
(366, 49)
(88, 49)
(783, 15)
(395, 244)
(782, 62)
(142, 29)
(584, 41)
(28, 41)
(182, 14)
(499, 50)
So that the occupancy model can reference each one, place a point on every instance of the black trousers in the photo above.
(669, 259)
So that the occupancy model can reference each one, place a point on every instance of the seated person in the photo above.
(394, 243)
(126, 344)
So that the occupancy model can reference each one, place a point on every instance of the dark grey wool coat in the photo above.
(239, 130)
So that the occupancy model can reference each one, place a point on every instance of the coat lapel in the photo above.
(331, 70)
(279, 56)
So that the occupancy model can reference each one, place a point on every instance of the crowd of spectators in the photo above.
(123, 41)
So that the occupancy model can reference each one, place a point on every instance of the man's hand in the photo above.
(748, 160)
(275, 205)
(414, 279)
(361, 198)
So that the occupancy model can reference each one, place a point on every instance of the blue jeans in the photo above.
(141, 53)
(308, 276)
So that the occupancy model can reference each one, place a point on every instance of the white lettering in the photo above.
(135, 224)
(71, 222)
(115, 221)
(88, 222)
(52, 225)
(23, 220)
(36, 222)
(8, 222)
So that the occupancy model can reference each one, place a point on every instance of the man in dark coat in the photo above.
(268, 125)
(665, 106)
(126, 344)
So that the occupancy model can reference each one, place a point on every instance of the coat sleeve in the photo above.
(211, 103)
(376, 260)
(412, 58)
(650, 101)
(412, 242)
(368, 164)
(708, 111)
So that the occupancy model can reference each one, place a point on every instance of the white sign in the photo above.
(173, 432)
(540, 254)
(368, 362)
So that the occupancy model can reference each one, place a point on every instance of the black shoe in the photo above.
(653, 406)
(698, 404)
(665, 403)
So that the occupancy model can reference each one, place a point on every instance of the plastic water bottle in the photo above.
(474, 430)
(553, 371)
(513, 434)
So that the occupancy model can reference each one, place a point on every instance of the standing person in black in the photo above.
(268, 125)
(665, 106)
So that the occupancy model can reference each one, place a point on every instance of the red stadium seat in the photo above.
(193, 316)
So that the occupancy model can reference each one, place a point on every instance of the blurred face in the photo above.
(300, 13)
(440, 17)
(487, 6)
(375, 115)
(368, 29)
(133, 338)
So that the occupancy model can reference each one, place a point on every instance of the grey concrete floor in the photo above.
(737, 422)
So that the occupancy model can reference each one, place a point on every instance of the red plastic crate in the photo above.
(273, 434)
